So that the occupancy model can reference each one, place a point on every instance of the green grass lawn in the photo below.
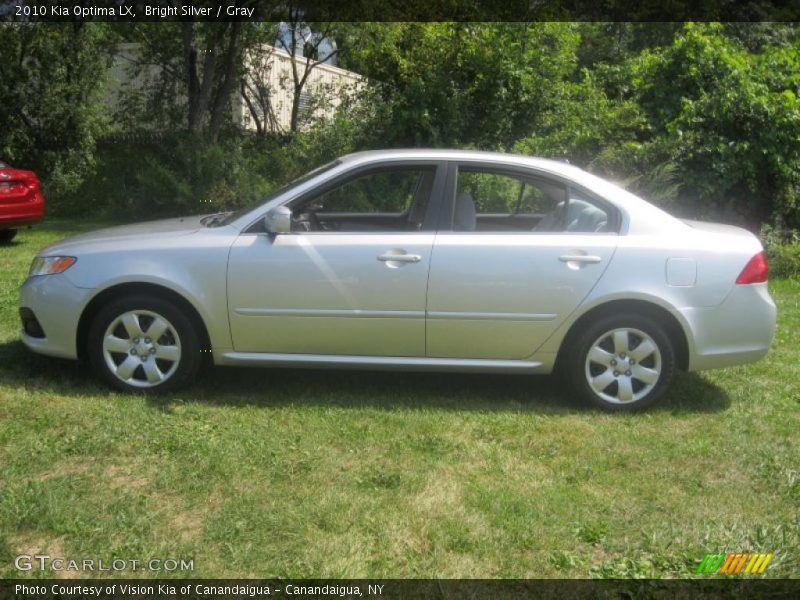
(295, 473)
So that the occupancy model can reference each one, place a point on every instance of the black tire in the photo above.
(6, 235)
(620, 394)
(179, 339)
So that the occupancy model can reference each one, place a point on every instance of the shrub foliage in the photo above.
(701, 118)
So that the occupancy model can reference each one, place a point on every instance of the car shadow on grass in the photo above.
(271, 387)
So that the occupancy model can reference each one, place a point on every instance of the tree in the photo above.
(51, 97)
(729, 119)
(197, 68)
(482, 84)
(311, 40)
(256, 91)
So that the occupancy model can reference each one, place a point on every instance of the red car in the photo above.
(21, 200)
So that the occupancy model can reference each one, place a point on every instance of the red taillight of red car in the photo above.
(18, 183)
(755, 271)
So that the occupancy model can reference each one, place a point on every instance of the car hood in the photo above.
(124, 233)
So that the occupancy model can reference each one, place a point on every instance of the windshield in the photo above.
(226, 218)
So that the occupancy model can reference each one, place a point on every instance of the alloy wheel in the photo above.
(141, 348)
(623, 365)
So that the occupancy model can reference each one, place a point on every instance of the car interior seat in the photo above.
(583, 217)
(551, 221)
(464, 216)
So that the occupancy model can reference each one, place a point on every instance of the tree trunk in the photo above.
(298, 89)
(230, 73)
(199, 90)
(192, 83)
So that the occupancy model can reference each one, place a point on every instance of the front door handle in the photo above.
(580, 258)
(403, 258)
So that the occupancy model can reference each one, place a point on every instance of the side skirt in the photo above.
(388, 363)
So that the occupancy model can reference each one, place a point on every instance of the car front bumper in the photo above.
(56, 304)
(736, 332)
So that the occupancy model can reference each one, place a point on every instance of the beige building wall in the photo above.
(324, 90)
(270, 67)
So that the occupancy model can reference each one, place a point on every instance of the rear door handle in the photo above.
(581, 258)
(404, 258)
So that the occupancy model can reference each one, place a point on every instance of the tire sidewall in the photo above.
(190, 360)
(575, 368)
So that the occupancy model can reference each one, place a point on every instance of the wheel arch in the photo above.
(120, 290)
(658, 313)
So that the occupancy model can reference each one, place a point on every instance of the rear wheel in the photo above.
(143, 344)
(621, 363)
(6, 235)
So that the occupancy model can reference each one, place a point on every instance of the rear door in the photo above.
(516, 253)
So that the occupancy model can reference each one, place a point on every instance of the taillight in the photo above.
(18, 183)
(755, 271)
(29, 178)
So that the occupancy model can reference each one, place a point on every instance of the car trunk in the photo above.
(21, 200)
(18, 186)
(721, 228)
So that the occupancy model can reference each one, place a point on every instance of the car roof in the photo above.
(555, 166)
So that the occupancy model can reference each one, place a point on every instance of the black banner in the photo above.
(185, 589)
(398, 10)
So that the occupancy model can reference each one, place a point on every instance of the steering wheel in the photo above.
(306, 221)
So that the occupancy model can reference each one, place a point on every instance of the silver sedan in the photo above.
(413, 259)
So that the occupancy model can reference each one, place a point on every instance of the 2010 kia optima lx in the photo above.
(413, 259)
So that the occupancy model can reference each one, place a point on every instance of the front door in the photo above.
(350, 279)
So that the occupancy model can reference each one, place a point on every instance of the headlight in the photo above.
(50, 265)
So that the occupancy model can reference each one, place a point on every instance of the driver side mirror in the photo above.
(278, 220)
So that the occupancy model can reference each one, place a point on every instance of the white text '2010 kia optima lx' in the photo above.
(413, 259)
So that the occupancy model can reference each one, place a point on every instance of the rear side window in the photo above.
(495, 200)
(489, 200)
(586, 216)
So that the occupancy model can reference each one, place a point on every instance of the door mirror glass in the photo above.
(278, 220)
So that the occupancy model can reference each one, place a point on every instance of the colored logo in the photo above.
(735, 562)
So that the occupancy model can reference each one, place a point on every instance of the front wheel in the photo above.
(621, 363)
(143, 344)
(6, 235)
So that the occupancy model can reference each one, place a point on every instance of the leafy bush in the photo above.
(783, 251)
(150, 175)
(703, 119)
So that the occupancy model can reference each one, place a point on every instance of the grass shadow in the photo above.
(272, 387)
(693, 393)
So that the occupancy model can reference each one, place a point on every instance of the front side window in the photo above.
(488, 200)
(393, 199)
